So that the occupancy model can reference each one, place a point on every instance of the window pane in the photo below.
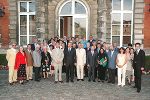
(115, 29)
(80, 26)
(116, 18)
(126, 29)
(23, 40)
(127, 4)
(116, 39)
(31, 6)
(116, 4)
(79, 8)
(67, 9)
(126, 40)
(127, 18)
(23, 6)
(32, 24)
(23, 25)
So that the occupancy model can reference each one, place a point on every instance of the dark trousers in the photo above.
(86, 70)
(91, 73)
(111, 75)
(69, 72)
(96, 72)
(37, 73)
(101, 72)
(75, 70)
(138, 74)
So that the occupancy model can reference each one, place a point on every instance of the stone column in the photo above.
(13, 27)
(138, 21)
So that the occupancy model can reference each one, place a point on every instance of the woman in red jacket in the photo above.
(20, 65)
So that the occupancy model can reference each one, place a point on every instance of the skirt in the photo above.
(21, 74)
(45, 68)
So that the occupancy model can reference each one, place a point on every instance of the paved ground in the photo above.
(47, 90)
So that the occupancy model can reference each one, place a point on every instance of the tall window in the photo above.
(122, 22)
(77, 11)
(26, 22)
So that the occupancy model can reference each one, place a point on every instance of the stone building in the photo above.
(120, 21)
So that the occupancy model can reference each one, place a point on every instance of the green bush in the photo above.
(3, 60)
(147, 63)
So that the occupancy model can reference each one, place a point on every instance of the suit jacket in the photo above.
(37, 58)
(81, 56)
(11, 56)
(92, 59)
(29, 58)
(57, 55)
(69, 57)
(112, 59)
(139, 60)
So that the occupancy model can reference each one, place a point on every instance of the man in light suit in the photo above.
(11, 56)
(57, 62)
(112, 55)
(81, 61)
(91, 63)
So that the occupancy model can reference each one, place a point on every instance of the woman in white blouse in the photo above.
(121, 63)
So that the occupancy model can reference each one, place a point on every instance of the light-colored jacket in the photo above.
(57, 55)
(11, 56)
(36, 58)
(81, 56)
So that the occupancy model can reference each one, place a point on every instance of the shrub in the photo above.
(3, 60)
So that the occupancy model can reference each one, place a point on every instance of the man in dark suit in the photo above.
(33, 46)
(69, 59)
(91, 63)
(138, 64)
(87, 49)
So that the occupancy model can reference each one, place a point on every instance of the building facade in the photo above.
(120, 21)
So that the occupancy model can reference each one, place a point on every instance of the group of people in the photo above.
(78, 58)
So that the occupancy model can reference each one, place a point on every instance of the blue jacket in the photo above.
(112, 60)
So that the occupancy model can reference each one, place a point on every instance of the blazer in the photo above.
(11, 56)
(69, 57)
(57, 55)
(29, 58)
(36, 58)
(112, 59)
(139, 60)
(92, 59)
(81, 56)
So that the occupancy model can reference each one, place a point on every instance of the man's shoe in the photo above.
(138, 91)
(78, 79)
(82, 79)
(37, 80)
(11, 83)
(72, 81)
(94, 81)
(109, 82)
(134, 86)
(56, 82)
(89, 80)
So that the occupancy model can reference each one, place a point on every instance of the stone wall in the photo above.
(138, 21)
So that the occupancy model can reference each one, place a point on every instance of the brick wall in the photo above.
(147, 24)
(4, 24)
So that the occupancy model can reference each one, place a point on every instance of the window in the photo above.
(122, 22)
(26, 22)
(75, 12)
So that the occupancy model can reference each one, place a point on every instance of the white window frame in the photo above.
(25, 14)
(122, 12)
(74, 16)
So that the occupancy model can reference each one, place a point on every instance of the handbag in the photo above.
(103, 63)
